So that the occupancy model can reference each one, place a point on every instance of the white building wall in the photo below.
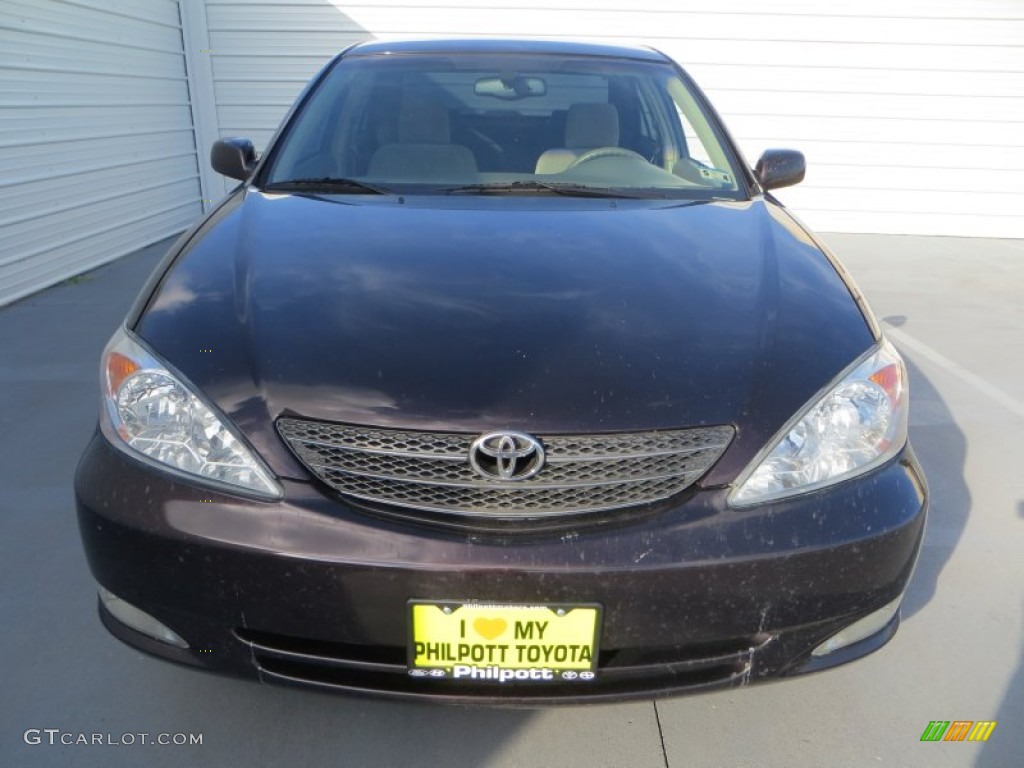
(263, 53)
(97, 154)
(910, 112)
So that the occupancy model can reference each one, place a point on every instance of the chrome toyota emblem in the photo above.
(506, 456)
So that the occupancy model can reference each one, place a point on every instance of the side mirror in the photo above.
(780, 168)
(235, 158)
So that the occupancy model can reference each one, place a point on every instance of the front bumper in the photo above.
(309, 591)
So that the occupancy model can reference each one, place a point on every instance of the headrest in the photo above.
(424, 122)
(592, 125)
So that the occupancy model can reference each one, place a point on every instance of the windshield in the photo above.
(504, 124)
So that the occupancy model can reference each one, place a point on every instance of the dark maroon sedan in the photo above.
(501, 377)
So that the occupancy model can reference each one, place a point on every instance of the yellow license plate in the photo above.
(503, 643)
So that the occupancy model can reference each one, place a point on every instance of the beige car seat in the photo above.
(587, 126)
(424, 150)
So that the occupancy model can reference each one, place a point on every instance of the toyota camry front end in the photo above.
(501, 377)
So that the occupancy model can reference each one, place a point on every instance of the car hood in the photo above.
(546, 315)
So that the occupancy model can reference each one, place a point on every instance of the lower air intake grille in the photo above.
(431, 470)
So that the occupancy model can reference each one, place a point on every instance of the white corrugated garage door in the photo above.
(910, 112)
(263, 53)
(97, 152)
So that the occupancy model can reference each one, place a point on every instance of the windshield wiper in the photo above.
(326, 184)
(558, 188)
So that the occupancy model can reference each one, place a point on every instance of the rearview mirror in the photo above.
(780, 168)
(510, 89)
(235, 158)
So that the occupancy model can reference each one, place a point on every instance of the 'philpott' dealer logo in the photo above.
(958, 730)
(502, 643)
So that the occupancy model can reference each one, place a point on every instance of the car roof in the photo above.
(506, 45)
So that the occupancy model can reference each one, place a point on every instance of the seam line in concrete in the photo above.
(661, 733)
(968, 377)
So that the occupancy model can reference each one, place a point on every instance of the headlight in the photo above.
(855, 425)
(156, 415)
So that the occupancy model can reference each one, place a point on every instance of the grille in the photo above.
(381, 668)
(431, 470)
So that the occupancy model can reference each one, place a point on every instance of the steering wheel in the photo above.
(599, 152)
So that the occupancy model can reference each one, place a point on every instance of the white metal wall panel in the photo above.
(97, 153)
(910, 112)
(263, 53)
